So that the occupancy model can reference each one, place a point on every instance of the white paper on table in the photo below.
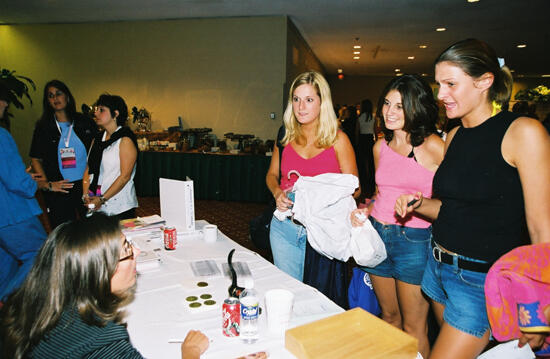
(508, 350)
(177, 204)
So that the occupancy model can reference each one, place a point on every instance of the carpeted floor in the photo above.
(232, 218)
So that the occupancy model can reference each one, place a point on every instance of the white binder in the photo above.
(177, 204)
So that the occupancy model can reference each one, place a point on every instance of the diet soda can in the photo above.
(170, 238)
(231, 317)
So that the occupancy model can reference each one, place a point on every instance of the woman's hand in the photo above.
(535, 340)
(37, 177)
(60, 186)
(194, 345)
(355, 221)
(282, 201)
(96, 201)
(407, 203)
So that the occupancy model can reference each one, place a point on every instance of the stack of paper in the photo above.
(149, 253)
(150, 227)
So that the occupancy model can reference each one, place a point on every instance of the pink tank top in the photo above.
(397, 175)
(324, 162)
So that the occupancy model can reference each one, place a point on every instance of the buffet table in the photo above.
(222, 177)
(161, 309)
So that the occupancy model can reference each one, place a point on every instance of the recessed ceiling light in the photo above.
(356, 52)
(340, 71)
(356, 46)
(424, 75)
(473, 0)
(410, 57)
(356, 57)
(546, 75)
(512, 70)
(397, 70)
(521, 46)
(423, 46)
(399, 74)
(440, 29)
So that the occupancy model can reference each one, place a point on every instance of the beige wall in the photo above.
(227, 74)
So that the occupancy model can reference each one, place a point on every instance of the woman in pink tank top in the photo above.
(312, 145)
(405, 160)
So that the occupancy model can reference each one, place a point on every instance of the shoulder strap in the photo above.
(280, 136)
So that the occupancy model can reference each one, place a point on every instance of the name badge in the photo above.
(68, 157)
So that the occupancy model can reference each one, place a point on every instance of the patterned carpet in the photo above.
(232, 218)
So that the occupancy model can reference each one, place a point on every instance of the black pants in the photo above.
(365, 164)
(63, 207)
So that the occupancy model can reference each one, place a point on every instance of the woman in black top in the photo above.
(494, 176)
(59, 148)
(70, 304)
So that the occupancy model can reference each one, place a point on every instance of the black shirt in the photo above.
(482, 212)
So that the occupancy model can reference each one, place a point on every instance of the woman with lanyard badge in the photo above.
(112, 161)
(495, 175)
(59, 146)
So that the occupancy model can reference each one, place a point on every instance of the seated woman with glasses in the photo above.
(70, 304)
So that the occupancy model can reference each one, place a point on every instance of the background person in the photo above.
(406, 160)
(70, 305)
(312, 145)
(112, 161)
(21, 233)
(59, 147)
(495, 174)
(365, 143)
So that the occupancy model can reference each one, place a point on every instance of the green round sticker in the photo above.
(195, 305)
(191, 298)
(210, 302)
(202, 284)
(206, 296)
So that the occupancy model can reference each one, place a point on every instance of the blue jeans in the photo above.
(288, 244)
(407, 252)
(461, 292)
(19, 244)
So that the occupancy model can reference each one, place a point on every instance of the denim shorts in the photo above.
(288, 245)
(407, 250)
(461, 292)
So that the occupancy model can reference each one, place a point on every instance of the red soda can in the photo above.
(170, 238)
(231, 317)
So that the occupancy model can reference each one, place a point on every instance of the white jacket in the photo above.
(323, 205)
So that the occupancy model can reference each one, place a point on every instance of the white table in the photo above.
(160, 311)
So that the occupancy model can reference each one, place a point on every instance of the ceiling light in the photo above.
(512, 70)
(473, 0)
(423, 46)
(356, 52)
(356, 46)
(548, 75)
(410, 57)
(424, 75)
(356, 57)
(397, 70)
(440, 29)
(399, 74)
(521, 46)
(340, 71)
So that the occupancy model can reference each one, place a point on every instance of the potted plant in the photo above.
(15, 87)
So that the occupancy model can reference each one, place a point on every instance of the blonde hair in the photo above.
(327, 129)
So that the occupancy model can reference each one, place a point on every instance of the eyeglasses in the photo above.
(55, 94)
(127, 250)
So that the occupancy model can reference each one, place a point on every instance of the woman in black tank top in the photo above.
(495, 177)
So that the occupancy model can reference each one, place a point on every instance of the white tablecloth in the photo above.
(160, 311)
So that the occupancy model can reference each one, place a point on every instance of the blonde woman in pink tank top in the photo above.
(405, 161)
(312, 145)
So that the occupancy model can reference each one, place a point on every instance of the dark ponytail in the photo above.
(476, 58)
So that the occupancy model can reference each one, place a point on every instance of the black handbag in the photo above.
(260, 225)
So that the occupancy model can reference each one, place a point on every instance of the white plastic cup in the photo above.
(210, 233)
(278, 303)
